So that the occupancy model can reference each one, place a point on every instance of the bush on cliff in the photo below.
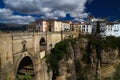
(57, 53)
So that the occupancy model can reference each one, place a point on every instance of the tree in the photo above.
(97, 28)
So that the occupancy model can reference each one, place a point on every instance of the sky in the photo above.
(27, 11)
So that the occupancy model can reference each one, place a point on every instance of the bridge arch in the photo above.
(42, 44)
(25, 65)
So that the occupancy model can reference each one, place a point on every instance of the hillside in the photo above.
(12, 27)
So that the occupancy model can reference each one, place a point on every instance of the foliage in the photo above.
(73, 40)
(98, 43)
(98, 28)
(78, 66)
(103, 43)
(117, 73)
(24, 77)
(86, 57)
(7, 78)
(57, 53)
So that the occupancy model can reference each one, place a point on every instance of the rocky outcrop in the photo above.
(67, 66)
(84, 62)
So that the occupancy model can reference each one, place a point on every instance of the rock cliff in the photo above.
(85, 60)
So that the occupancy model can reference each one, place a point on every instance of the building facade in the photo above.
(75, 27)
(86, 28)
(65, 25)
(37, 26)
(111, 29)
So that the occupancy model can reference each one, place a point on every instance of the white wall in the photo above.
(65, 26)
(87, 29)
(111, 30)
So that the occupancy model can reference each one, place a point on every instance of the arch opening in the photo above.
(50, 29)
(42, 44)
(26, 69)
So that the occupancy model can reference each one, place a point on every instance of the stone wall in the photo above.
(6, 56)
(17, 45)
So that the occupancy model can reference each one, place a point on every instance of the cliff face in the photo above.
(85, 62)
(94, 64)
(67, 66)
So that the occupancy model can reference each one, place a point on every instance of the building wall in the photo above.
(44, 26)
(65, 26)
(57, 26)
(117, 30)
(86, 29)
(111, 30)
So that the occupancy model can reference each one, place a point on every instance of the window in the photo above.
(84, 26)
(87, 30)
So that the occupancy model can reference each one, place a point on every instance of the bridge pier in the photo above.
(7, 75)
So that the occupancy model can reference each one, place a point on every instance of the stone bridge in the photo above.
(24, 52)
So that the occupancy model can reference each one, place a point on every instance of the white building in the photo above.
(107, 30)
(65, 25)
(116, 29)
(86, 28)
(111, 29)
(94, 22)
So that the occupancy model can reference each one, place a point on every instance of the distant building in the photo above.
(111, 29)
(86, 28)
(75, 27)
(65, 25)
(37, 26)
(116, 29)
(49, 26)
(94, 21)
(106, 30)
(44, 25)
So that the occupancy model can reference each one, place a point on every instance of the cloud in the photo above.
(49, 8)
(90, 1)
(6, 16)
(77, 19)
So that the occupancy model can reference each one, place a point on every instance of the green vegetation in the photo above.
(98, 43)
(108, 42)
(24, 77)
(79, 69)
(78, 66)
(98, 28)
(7, 78)
(117, 73)
(59, 52)
(86, 57)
